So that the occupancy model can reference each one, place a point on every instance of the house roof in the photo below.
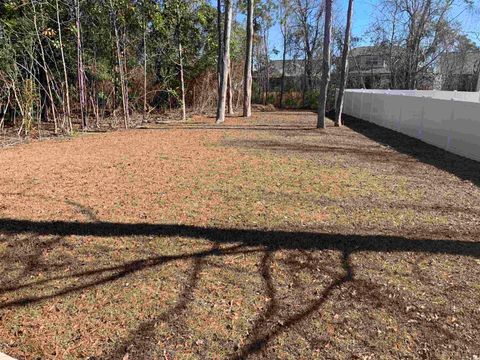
(374, 50)
(293, 68)
(363, 50)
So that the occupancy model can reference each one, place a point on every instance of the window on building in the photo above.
(373, 61)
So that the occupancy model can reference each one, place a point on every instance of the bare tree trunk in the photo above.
(344, 66)
(264, 88)
(45, 68)
(282, 85)
(125, 72)
(220, 44)
(267, 66)
(326, 65)
(80, 69)
(390, 61)
(94, 93)
(65, 75)
(121, 69)
(230, 92)
(309, 71)
(225, 62)
(247, 75)
(145, 72)
(115, 86)
(2, 120)
(39, 115)
(182, 83)
(95, 109)
(304, 82)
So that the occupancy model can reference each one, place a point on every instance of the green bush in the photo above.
(311, 100)
(292, 103)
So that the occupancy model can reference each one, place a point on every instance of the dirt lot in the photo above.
(264, 238)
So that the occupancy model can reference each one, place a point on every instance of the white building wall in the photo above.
(447, 119)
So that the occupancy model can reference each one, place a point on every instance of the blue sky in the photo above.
(363, 10)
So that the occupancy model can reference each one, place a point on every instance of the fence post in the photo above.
(370, 115)
(399, 119)
(422, 118)
(449, 127)
(361, 106)
(383, 115)
(352, 103)
(337, 90)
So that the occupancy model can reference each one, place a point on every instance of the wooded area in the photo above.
(71, 64)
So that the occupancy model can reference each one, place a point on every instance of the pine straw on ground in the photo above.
(262, 238)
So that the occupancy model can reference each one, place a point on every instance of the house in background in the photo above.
(459, 71)
(296, 82)
(294, 74)
(368, 68)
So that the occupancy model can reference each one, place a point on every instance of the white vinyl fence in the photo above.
(447, 119)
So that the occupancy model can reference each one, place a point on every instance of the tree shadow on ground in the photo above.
(224, 242)
(459, 166)
(247, 237)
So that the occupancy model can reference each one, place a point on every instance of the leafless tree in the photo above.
(225, 64)
(284, 14)
(307, 16)
(344, 65)
(45, 69)
(415, 35)
(145, 59)
(80, 67)
(64, 68)
(247, 75)
(326, 64)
